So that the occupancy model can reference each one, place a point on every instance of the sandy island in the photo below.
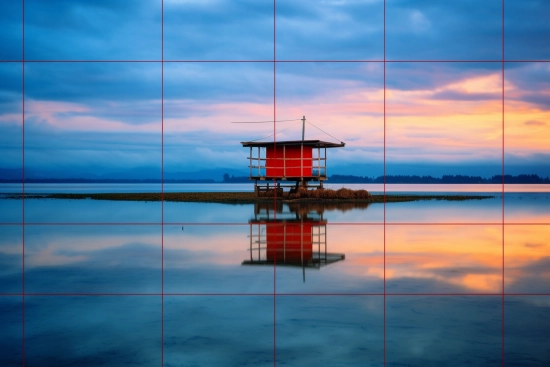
(326, 196)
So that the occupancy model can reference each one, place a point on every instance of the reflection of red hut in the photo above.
(290, 242)
(293, 239)
(283, 161)
(293, 242)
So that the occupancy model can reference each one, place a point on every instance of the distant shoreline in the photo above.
(239, 197)
(333, 179)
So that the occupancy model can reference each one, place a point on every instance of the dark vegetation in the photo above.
(324, 194)
(446, 179)
(235, 179)
(402, 179)
(303, 208)
(302, 195)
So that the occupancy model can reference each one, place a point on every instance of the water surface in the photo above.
(245, 284)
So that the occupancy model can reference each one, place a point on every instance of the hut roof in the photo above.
(307, 143)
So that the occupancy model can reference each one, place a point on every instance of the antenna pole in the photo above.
(303, 127)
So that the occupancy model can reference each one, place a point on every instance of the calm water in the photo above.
(374, 188)
(94, 277)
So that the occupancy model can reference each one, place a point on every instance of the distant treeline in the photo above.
(400, 179)
(446, 179)
(235, 179)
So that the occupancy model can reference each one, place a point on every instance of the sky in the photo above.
(119, 108)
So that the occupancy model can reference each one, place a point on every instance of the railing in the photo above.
(258, 165)
(317, 170)
(259, 245)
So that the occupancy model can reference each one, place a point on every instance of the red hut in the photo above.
(298, 161)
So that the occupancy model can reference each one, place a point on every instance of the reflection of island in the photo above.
(290, 235)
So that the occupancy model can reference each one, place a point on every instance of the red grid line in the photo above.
(28, 224)
(358, 294)
(23, 183)
(162, 184)
(278, 61)
(410, 294)
(502, 182)
(385, 183)
(275, 192)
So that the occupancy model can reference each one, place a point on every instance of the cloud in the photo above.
(306, 81)
(330, 30)
(419, 21)
(526, 29)
(534, 123)
(218, 30)
(93, 82)
(10, 89)
(434, 75)
(528, 83)
(11, 31)
(92, 30)
(244, 82)
(534, 245)
(450, 30)
(243, 29)
(449, 95)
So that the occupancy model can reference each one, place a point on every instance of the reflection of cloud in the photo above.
(114, 255)
(446, 273)
(50, 257)
(44, 247)
(527, 267)
(93, 331)
(453, 258)
(202, 330)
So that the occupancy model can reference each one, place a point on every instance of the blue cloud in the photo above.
(444, 30)
(93, 30)
(92, 82)
(526, 29)
(424, 76)
(330, 30)
(243, 30)
(460, 96)
(10, 88)
(221, 82)
(532, 81)
(11, 30)
(218, 30)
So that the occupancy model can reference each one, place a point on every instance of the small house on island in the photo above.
(294, 161)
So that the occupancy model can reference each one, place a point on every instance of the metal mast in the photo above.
(303, 127)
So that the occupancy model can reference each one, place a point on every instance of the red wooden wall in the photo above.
(275, 163)
(283, 241)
